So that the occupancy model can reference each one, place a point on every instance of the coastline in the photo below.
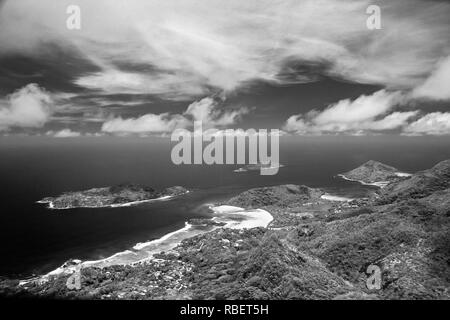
(379, 184)
(115, 205)
(233, 218)
(309, 234)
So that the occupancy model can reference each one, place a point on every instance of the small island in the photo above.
(114, 196)
(375, 173)
(256, 167)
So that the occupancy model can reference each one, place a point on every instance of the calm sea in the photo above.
(34, 240)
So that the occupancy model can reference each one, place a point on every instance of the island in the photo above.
(256, 167)
(374, 173)
(114, 196)
(313, 249)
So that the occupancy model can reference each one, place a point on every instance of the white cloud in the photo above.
(361, 109)
(366, 113)
(28, 107)
(435, 123)
(437, 85)
(206, 110)
(391, 121)
(193, 48)
(147, 123)
(167, 86)
(296, 123)
(64, 133)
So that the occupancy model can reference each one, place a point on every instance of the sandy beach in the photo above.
(335, 198)
(379, 184)
(239, 218)
(232, 217)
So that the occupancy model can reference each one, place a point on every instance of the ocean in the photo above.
(35, 240)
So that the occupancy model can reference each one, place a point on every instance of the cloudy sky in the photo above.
(149, 67)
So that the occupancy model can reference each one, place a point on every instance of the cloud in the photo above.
(435, 123)
(28, 107)
(94, 134)
(437, 85)
(362, 109)
(242, 133)
(64, 133)
(391, 121)
(297, 124)
(166, 86)
(172, 50)
(206, 110)
(180, 50)
(157, 123)
(366, 113)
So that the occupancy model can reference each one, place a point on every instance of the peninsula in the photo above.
(374, 173)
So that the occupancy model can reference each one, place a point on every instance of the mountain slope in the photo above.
(281, 195)
(420, 184)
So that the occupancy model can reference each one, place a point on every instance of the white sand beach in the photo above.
(335, 198)
(232, 217)
(379, 184)
(239, 218)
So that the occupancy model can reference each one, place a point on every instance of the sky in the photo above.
(310, 67)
